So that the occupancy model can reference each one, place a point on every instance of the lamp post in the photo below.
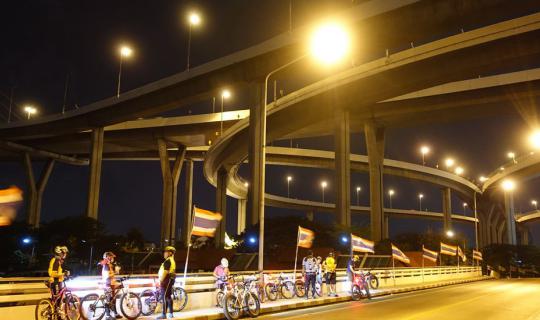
(512, 156)
(194, 19)
(535, 204)
(323, 186)
(358, 189)
(508, 187)
(125, 52)
(424, 150)
(289, 179)
(391, 192)
(465, 205)
(30, 110)
(225, 94)
(420, 197)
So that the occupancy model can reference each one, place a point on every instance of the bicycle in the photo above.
(300, 287)
(241, 300)
(150, 298)
(93, 305)
(360, 286)
(254, 285)
(372, 280)
(283, 287)
(63, 305)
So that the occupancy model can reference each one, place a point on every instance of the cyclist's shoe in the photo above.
(162, 316)
(170, 316)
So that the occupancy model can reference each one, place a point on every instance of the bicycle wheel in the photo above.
(261, 294)
(148, 302)
(72, 307)
(253, 305)
(271, 291)
(231, 307)
(373, 281)
(92, 307)
(287, 289)
(299, 288)
(130, 305)
(366, 290)
(220, 297)
(318, 289)
(180, 299)
(356, 294)
(44, 310)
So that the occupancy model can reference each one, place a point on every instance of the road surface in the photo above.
(486, 300)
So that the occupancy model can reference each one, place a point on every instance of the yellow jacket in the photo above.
(55, 270)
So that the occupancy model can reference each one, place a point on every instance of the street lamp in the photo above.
(30, 110)
(194, 19)
(512, 156)
(509, 186)
(483, 179)
(246, 184)
(465, 205)
(535, 204)
(534, 139)
(420, 197)
(391, 192)
(323, 186)
(424, 150)
(459, 171)
(358, 189)
(329, 43)
(450, 234)
(225, 94)
(125, 52)
(289, 179)
(449, 162)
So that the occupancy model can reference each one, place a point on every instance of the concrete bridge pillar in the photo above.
(375, 149)
(386, 234)
(523, 235)
(35, 191)
(494, 222)
(188, 202)
(241, 224)
(170, 178)
(500, 232)
(221, 207)
(94, 179)
(510, 220)
(447, 208)
(343, 167)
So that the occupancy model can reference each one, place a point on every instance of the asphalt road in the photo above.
(493, 299)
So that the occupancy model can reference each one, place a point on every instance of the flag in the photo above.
(10, 199)
(362, 245)
(448, 249)
(430, 255)
(477, 255)
(305, 237)
(205, 222)
(461, 254)
(399, 255)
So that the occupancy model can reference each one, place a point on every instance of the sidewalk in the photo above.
(214, 313)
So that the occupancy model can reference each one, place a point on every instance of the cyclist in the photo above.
(309, 270)
(167, 277)
(320, 272)
(330, 265)
(56, 272)
(221, 274)
(108, 270)
(352, 267)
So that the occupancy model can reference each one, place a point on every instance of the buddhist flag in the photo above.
(362, 245)
(477, 255)
(205, 222)
(399, 255)
(448, 249)
(10, 199)
(305, 237)
(430, 255)
(461, 254)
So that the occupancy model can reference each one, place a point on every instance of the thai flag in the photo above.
(477, 255)
(362, 245)
(448, 249)
(10, 199)
(461, 254)
(205, 222)
(430, 255)
(305, 237)
(399, 255)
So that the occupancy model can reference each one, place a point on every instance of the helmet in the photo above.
(356, 257)
(60, 249)
(225, 262)
(170, 249)
(319, 258)
(108, 255)
(331, 254)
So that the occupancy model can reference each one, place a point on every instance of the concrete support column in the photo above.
(188, 202)
(170, 179)
(343, 167)
(94, 180)
(447, 209)
(35, 191)
(221, 207)
(309, 215)
(386, 234)
(241, 224)
(375, 149)
(510, 220)
(493, 226)
(524, 235)
(501, 227)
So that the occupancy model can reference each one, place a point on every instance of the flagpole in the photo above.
(457, 254)
(422, 263)
(296, 256)
(189, 243)
(393, 270)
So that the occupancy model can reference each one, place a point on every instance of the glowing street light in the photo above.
(194, 19)
(358, 189)
(508, 185)
(424, 150)
(512, 156)
(225, 94)
(449, 162)
(450, 234)
(534, 139)
(30, 110)
(483, 179)
(465, 205)
(125, 52)
(391, 192)
(246, 184)
(420, 197)
(323, 186)
(289, 179)
(329, 43)
(459, 171)
(535, 204)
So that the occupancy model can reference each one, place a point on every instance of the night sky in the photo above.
(46, 42)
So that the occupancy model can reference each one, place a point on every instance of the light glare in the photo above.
(194, 19)
(125, 51)
(508, 185)
(329, 43)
